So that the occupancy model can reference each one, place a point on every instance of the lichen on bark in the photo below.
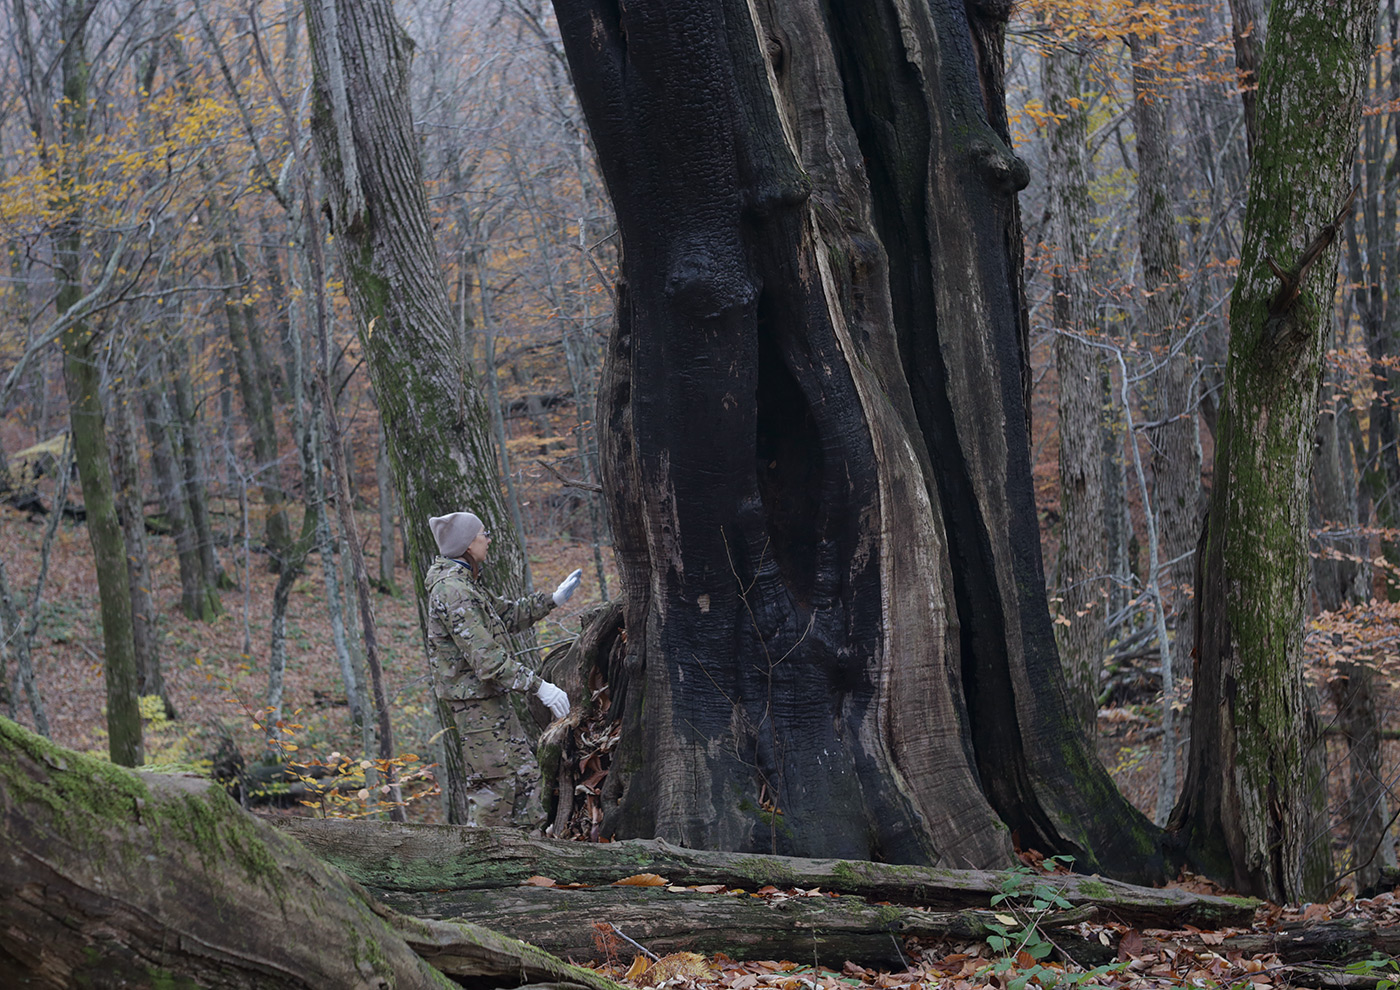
(1253, 801)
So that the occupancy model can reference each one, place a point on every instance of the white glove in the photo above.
(554, 698)
(566, 587)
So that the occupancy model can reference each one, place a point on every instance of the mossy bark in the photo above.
(113, 878)
(1251, 811)
(435, 420)
(82, 378)
(425, 858)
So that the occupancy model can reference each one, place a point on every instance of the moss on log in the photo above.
(413, 857)
(110, 877)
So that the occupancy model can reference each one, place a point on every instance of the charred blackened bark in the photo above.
(816, 441)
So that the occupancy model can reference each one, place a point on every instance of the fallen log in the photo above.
(1339, 940)
(416, 857)
(412, 857)
(565, 921)
(110, 877)
(1328, 976)
(830, 930)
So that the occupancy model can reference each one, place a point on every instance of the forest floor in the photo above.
(216, 677)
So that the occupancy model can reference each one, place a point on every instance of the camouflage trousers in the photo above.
(502, 776)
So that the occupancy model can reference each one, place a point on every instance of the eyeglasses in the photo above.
(486, 533)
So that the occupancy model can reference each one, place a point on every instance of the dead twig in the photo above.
(583, 486)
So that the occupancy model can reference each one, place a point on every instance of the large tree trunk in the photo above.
(815, 434)
(434, 417)
(111, 878)
(436, 422)
(1253, 797)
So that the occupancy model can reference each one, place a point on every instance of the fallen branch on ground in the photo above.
(416, 857)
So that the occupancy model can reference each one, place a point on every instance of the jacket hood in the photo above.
(443, 567)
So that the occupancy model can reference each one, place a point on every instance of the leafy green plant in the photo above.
(1376, 966)
(1028, 896)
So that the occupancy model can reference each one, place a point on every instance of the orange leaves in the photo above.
(1171, 45)
(1366, 635)
(637, 970)
(1109, 20)
(641, 880)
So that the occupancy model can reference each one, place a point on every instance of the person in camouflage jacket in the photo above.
(473, 671)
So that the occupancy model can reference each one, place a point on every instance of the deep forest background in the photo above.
(203, 292)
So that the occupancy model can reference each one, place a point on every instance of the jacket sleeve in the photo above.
(489, 659)
(524, 612)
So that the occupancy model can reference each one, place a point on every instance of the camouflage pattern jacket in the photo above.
(468, 627)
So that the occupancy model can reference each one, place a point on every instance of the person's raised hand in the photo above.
(567, 586)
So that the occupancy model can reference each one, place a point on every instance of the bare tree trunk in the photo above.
(344, 503)
(254, 385)
(18, 630)
(498, 420)
(197, 599)
(1253, 800)
(1082, 566)
(126, 479)
(1375, 273)
(1372, 850)
(388, 552)
(188, 441)
(1342, 577)
(83, 382)
(1173, 436)
(1247, 21)
(345, 651)
(434, 417)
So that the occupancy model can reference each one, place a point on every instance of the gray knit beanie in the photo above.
(454, 532)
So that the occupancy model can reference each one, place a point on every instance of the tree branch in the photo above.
(1291, 282)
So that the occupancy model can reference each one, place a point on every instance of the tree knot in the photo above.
(1286, 331)
(999, 166)
(1291, 281)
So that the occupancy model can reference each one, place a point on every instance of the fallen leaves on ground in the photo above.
(1188, 957)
